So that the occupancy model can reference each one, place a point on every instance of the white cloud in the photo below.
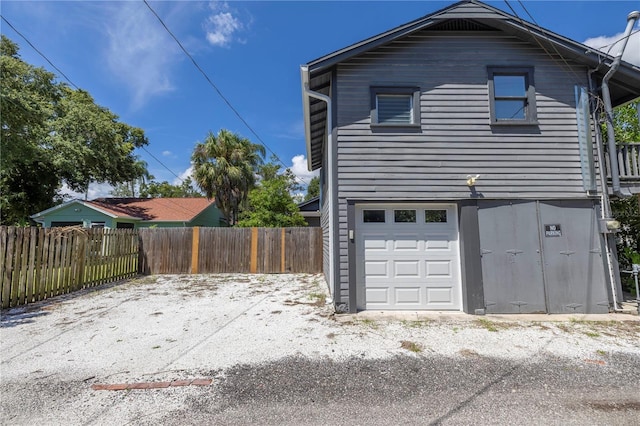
(188, 173)
(167, 153)
(222, 26)
(612, 44)
(140, 52)
(299, 168)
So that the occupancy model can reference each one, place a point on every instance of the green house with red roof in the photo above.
(133, 213)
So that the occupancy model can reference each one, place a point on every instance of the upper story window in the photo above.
(395, 106)
(512, 95)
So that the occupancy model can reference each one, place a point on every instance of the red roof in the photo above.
(153, 209)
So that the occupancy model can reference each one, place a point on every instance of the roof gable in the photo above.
(465, 16)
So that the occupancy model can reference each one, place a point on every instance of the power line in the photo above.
(610, 45)
(162, 164)
(39, 52)
(224, 98)
(522, 21)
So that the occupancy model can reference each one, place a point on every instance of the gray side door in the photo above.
(574, 268)
(511, 259)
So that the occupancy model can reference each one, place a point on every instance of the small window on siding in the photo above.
(395, 106)
(512, 95)
(394, 109)
(404, 216)
(373, 216)
(435, 216)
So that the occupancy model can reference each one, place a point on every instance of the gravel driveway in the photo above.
(266, 349)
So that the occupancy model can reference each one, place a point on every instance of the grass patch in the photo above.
(601, 352)
(410, 346)
(415, 323)
(591, 333)
(369, 323)
(319, 299)
(487, 325)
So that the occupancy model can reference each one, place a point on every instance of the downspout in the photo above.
(304, 74)
(606, 97)
(605, 206)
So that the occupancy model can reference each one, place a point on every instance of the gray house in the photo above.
(460, 167)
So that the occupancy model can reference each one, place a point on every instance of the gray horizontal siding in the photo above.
(455, 138)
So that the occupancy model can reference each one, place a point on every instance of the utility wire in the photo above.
(218, 91)
(39, 52)
(522, 21)
(610, 45)
(162, 164)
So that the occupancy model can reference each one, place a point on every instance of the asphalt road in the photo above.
(402, 390)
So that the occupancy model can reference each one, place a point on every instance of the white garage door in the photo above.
(407, 257)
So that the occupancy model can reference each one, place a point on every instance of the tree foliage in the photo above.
(52, 134)
(224, 167)
(313, 189)
(164, 189)
(625, 123)
(271, 204)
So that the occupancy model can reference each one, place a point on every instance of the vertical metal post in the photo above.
(636, 270)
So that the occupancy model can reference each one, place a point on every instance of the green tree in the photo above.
(52, 134)
(313, 189)
(271, 203)
(224, 166)
(166, 190)
(128, 189)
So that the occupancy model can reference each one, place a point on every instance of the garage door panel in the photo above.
(407, 295)
(405, 242)
(407, 269)
(376, 242)
(377, 268)
(378, 296)
(437, 242)
(438, 269)
(439, 295)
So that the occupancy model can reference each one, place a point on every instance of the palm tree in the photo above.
(224, 166)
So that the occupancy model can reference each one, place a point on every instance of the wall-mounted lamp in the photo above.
(77, 210)
(471, 180)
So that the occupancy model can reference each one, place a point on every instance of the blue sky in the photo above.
(120, 53)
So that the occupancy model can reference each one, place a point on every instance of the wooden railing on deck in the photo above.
(628, 155)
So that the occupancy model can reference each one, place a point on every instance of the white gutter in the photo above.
(606, 97)
(307, 93)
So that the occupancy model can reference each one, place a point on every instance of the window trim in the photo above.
(412, 91)
(531, 114)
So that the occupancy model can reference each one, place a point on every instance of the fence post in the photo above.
(282, 251)
(253, 267)
(195, 248)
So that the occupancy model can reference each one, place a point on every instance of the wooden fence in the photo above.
(37, 263)
(243, 250)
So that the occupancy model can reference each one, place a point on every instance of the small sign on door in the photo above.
(552, 231)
